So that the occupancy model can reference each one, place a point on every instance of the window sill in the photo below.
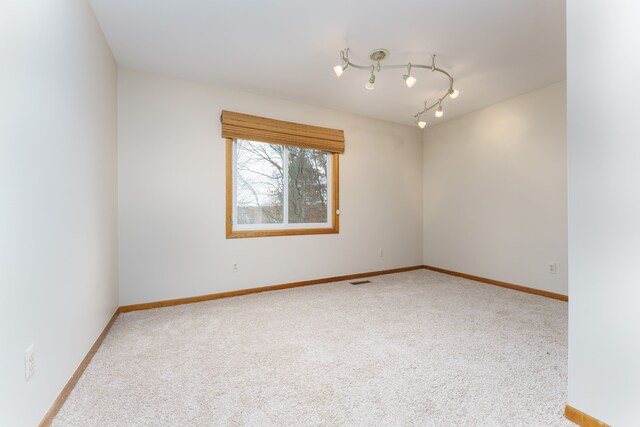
(239, 234)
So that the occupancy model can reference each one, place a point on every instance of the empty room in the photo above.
(276, 213)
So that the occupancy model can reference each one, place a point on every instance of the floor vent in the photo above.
(360, 282)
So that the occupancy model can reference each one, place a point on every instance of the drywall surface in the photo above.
(495, 191)
(58, 195)
(172, 195)
(604, 209)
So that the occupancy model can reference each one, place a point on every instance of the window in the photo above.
(279, 186)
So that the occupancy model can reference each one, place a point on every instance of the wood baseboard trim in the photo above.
(582, 419)
(501, 284)
(62, 397)
(209, 297)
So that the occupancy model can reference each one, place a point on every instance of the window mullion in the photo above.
(285, 190)
(330, 207)
(234, 175)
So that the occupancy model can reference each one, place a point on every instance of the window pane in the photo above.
(259, 182)
(307, 185)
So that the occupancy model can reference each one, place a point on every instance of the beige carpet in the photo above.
(416, 348)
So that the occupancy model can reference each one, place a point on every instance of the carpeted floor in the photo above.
(415, 348)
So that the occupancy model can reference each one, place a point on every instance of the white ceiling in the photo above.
(495, 49)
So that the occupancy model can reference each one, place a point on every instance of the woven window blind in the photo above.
(244, 126)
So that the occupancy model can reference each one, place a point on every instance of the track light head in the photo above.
(422, 124)
(344, 63)
(409, 80)
(453, 93)
(439, 111)
(370, 85)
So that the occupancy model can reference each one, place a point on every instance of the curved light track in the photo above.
(379, 55)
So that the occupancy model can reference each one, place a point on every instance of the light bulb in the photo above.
(370, 84)
(439, 112)
(453, 93)
(422, 124)
(409, 80)
(338, 69)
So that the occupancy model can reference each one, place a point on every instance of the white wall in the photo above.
(172, 195)
(495, 191)
(604, 209)
(58, 195)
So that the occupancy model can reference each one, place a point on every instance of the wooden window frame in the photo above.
(335, 206)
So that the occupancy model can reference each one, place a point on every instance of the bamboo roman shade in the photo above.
(244, 126)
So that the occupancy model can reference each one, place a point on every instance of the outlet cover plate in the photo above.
(29, 362)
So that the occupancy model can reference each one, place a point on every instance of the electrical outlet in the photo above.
(29, 362)
(235, 267)
(381, 252)
(551, 269)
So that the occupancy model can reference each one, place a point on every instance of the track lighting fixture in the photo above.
(379, 55)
